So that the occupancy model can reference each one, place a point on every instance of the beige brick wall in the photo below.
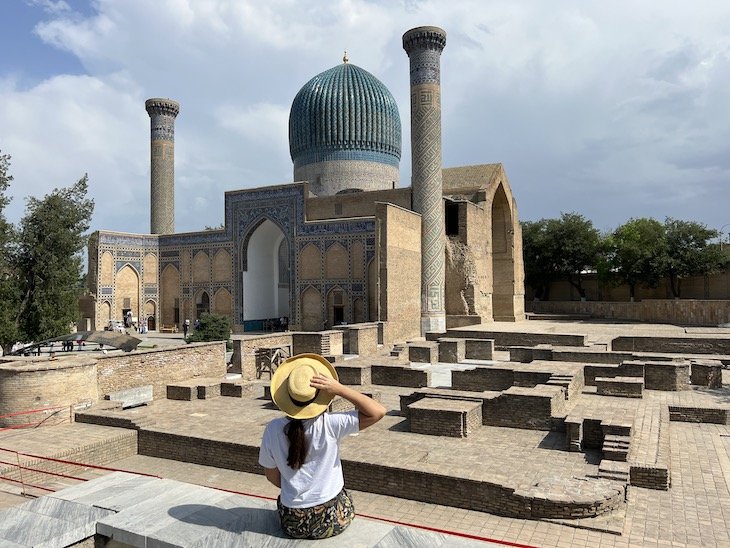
(682, 311)
(160, 367)
(399, 253)
(360, 204)
(33, 384)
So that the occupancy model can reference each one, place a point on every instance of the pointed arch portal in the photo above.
(266, 280)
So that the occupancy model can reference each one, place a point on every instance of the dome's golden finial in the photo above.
(345, 58)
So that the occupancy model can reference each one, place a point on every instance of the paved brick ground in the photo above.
(694, 512)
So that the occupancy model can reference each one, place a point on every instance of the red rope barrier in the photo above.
(367, 516)
(92, 466)
(33, 411)
(28, 484)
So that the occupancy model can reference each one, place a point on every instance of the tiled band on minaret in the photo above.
(162, 173)
(424, 46)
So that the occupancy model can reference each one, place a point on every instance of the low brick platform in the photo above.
(339, 404)
(452, 350)
(520, 407)
(443, 393)
(240, 388)
(624, 387)
(627, 368)
(669, 376)
(200, 388)
(353, 374)
(708, 415)
(442, 417)
(706, 373)
(396, 375)
(426, 352)
(479, 349)
(483, 378)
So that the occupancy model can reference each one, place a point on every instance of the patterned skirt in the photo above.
(322, 521)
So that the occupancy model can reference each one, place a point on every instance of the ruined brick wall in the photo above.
(482, 378)
(29, 384)
(673, 311)
(695, 414)
(159, 367)
(358, 204)
(398, 252)
(122, 446)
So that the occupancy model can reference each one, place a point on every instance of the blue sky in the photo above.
(610, 109)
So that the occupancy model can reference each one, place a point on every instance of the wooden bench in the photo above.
(132, 397)
(172, 328)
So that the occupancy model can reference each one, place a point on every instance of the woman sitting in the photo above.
(300, 452)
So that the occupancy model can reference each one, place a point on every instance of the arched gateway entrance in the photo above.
(266, 275)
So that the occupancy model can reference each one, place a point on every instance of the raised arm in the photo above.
(369, 410)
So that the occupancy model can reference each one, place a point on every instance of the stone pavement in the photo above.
(694, 512)
(135, 510)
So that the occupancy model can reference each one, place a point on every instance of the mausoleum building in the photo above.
(344, 242)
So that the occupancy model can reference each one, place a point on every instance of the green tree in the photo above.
(213, 327)
(51, 240)
(539, 269)
(9, 296)
(561, 249)
(689, 252)
(637, 252)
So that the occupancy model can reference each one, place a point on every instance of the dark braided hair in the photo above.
(294, 431)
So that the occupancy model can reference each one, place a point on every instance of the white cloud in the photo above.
(611, 109)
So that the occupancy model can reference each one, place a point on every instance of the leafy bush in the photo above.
(213, 327)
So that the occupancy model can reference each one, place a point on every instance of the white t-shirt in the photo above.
(320, 477)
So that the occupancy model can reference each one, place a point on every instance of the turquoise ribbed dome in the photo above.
(344, 113)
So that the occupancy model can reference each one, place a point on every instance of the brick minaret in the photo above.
(424, 46)
(162, 174)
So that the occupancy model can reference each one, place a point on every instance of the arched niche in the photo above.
(126, 292)
(263, 298)
(222, 266)
(150, 268)
(503, 260)
(106, 269)
(336, 262)
(310, 263)
(201, 267)
(170, 295)
(311, 303)
(223, 302)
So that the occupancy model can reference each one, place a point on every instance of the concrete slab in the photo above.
(176, 514)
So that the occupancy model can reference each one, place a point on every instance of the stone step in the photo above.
(615, 438)
(620, 456)
(614, 470)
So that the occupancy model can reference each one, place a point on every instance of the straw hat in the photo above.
(290, 388)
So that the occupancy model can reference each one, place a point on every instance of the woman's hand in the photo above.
(327, 384)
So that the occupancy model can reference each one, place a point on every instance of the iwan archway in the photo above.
(266, 274)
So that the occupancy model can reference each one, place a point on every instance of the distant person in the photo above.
(197, 324)
(300, 453)
(186, 326)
